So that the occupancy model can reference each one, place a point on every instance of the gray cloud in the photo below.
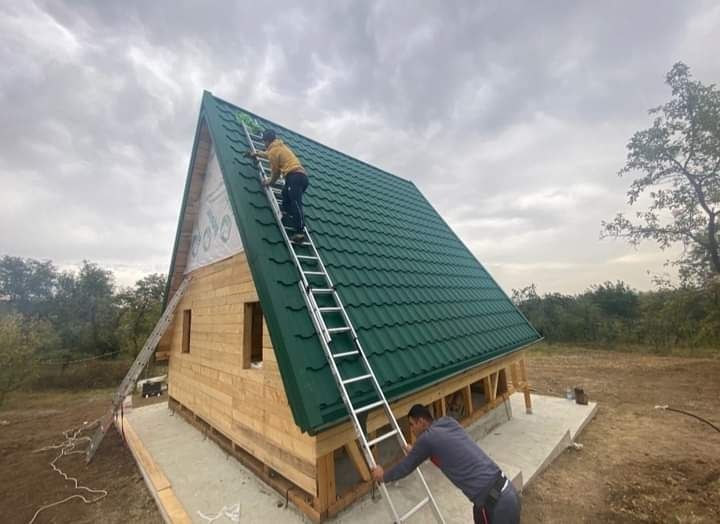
(511, 118)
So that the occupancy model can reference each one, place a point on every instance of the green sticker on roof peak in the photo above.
(251, 123)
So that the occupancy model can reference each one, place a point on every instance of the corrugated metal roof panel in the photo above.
(423, 306)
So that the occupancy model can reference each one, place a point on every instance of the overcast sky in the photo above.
(512, 117)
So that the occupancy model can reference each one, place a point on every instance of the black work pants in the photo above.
(505, 511)
(292, 193)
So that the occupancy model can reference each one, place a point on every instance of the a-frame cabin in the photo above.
(245, 362)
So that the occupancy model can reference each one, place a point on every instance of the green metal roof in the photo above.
(423, 306)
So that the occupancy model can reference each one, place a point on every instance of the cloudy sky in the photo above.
(512, 117)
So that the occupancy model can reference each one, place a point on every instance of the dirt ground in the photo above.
(30, 422)
(638, 464)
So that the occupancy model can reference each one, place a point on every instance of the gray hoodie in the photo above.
(450, 448)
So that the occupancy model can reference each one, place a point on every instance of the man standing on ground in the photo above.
(284, 163)
(446, 443)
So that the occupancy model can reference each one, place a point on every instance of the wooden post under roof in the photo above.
(467, 396)
(325, 483)
(525, 386)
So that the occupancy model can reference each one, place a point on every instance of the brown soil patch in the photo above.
(30, 422)
(638, 464)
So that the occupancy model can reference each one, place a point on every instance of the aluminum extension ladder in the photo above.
(128, 383)
(306, 254)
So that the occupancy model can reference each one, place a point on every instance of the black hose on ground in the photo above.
(668, 408)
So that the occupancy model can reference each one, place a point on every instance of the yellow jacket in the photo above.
(282, 159)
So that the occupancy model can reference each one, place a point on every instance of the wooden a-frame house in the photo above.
(245, 362)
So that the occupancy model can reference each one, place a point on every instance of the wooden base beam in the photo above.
(499, 379)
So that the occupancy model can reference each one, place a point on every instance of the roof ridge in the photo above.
(309, 139)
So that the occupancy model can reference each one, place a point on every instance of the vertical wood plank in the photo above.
(525, 386)
(514, 375)
(487, 387)
(325, 482)
(467, 395)
(494, 379)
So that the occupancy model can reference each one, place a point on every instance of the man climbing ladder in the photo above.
(284, 163)
(317, 282)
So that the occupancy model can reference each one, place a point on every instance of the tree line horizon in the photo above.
(675, 165)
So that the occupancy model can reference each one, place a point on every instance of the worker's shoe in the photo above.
(298, 238)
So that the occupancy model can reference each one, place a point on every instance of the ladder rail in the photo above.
(136, 368)
(390, 416)
(325, 337)
(150, 343)
(345, 396)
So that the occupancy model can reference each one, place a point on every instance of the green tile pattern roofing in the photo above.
(423, 306)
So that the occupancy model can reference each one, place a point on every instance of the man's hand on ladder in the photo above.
(378, 473)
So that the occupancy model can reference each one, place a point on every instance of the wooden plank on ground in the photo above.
(170, 507)
(173, 507)
(157, 477)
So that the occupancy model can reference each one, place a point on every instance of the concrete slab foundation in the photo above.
(204, 480)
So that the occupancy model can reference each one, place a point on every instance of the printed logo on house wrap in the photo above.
(215, 235)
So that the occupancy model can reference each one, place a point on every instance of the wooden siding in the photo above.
(249, 406)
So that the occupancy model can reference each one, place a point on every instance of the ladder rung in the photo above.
(314, 272)
(321, 290)
(414, 509)
(329, 309)
(384, 437)
(357, 379)
(368, 407)
(338, 329)
(346, 354)
(306, 257)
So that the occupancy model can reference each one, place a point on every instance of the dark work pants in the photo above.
(506, 511)
(295, 185)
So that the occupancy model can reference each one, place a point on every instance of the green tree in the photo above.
(27, 285)
(677, 163)
(87, 310)
(142, 306)
(614, 299)
(18, 345)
